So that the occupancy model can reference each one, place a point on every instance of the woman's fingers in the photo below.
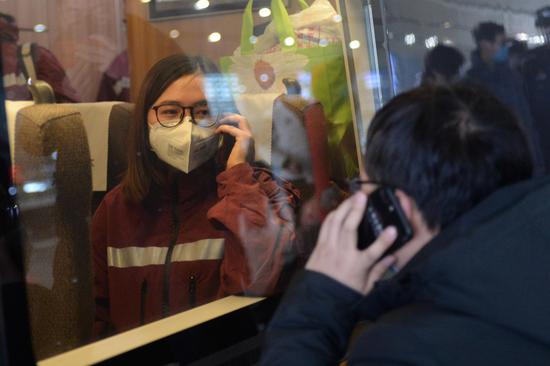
(233, 131)
(236, 120)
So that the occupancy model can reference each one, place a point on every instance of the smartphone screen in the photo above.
(383, 210)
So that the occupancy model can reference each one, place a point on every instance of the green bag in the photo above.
(318, 66)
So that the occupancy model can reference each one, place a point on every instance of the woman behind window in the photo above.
(192, 220)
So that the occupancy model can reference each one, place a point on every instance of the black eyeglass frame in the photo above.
(356, 184)
(155, 108)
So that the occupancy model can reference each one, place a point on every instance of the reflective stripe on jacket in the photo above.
(234, 234)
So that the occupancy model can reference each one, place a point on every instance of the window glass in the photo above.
(169, 153)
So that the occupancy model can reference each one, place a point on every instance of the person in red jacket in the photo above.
(15, 71)
(115, 82)
(192, 220)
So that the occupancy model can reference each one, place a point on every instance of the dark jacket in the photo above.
(507, 85)
(219, 235)
(477, 294)
(536, 72)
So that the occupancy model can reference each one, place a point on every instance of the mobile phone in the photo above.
(383, 210)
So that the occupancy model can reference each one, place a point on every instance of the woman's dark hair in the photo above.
(145, 170)
(443, 60)
(448, 148)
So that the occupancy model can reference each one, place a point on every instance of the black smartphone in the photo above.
(383, 210)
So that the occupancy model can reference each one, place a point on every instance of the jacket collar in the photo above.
(193, 186)
(467, 267)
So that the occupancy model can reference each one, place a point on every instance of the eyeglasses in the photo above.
(170, 115)
(356, 184)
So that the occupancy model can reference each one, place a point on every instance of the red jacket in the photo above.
(223, 235)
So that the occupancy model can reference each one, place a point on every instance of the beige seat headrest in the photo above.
(39, 127)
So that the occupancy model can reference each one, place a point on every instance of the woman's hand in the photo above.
(244, 143)
(336, 254)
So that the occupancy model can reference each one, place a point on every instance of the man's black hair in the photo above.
(487, 31)
(444, 60)
(448, 148)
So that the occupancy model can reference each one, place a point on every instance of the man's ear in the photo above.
(406, 202)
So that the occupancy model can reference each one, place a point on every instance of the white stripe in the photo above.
(12, 79)
(206, 249)
(135, 256)
(200, 250)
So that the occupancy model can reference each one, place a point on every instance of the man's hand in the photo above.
(336, 254)
(244, 143)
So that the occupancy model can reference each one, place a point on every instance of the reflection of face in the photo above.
(187, 91)
(290, 150)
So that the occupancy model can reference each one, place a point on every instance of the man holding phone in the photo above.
(461, 168)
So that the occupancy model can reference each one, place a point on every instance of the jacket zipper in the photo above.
(168, 262)
(143, 300)
(192, 290)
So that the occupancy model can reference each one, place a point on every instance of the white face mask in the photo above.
(186, 146)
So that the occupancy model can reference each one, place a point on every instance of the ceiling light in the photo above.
(410, 39)
(201, 4)
(431, 42)
(214, 37)
(39, 28)
(264, 12)
(355, 44)
(174, 33)
(522, 37)
(536, 40)
(289, 41)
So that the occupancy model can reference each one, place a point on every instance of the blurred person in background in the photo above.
(517, 52)
(537, 79)
(17, 59)
(115, 81)
(490, 68)
(442, 65)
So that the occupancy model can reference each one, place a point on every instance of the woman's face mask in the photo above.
(186, 146)
(183, 137)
